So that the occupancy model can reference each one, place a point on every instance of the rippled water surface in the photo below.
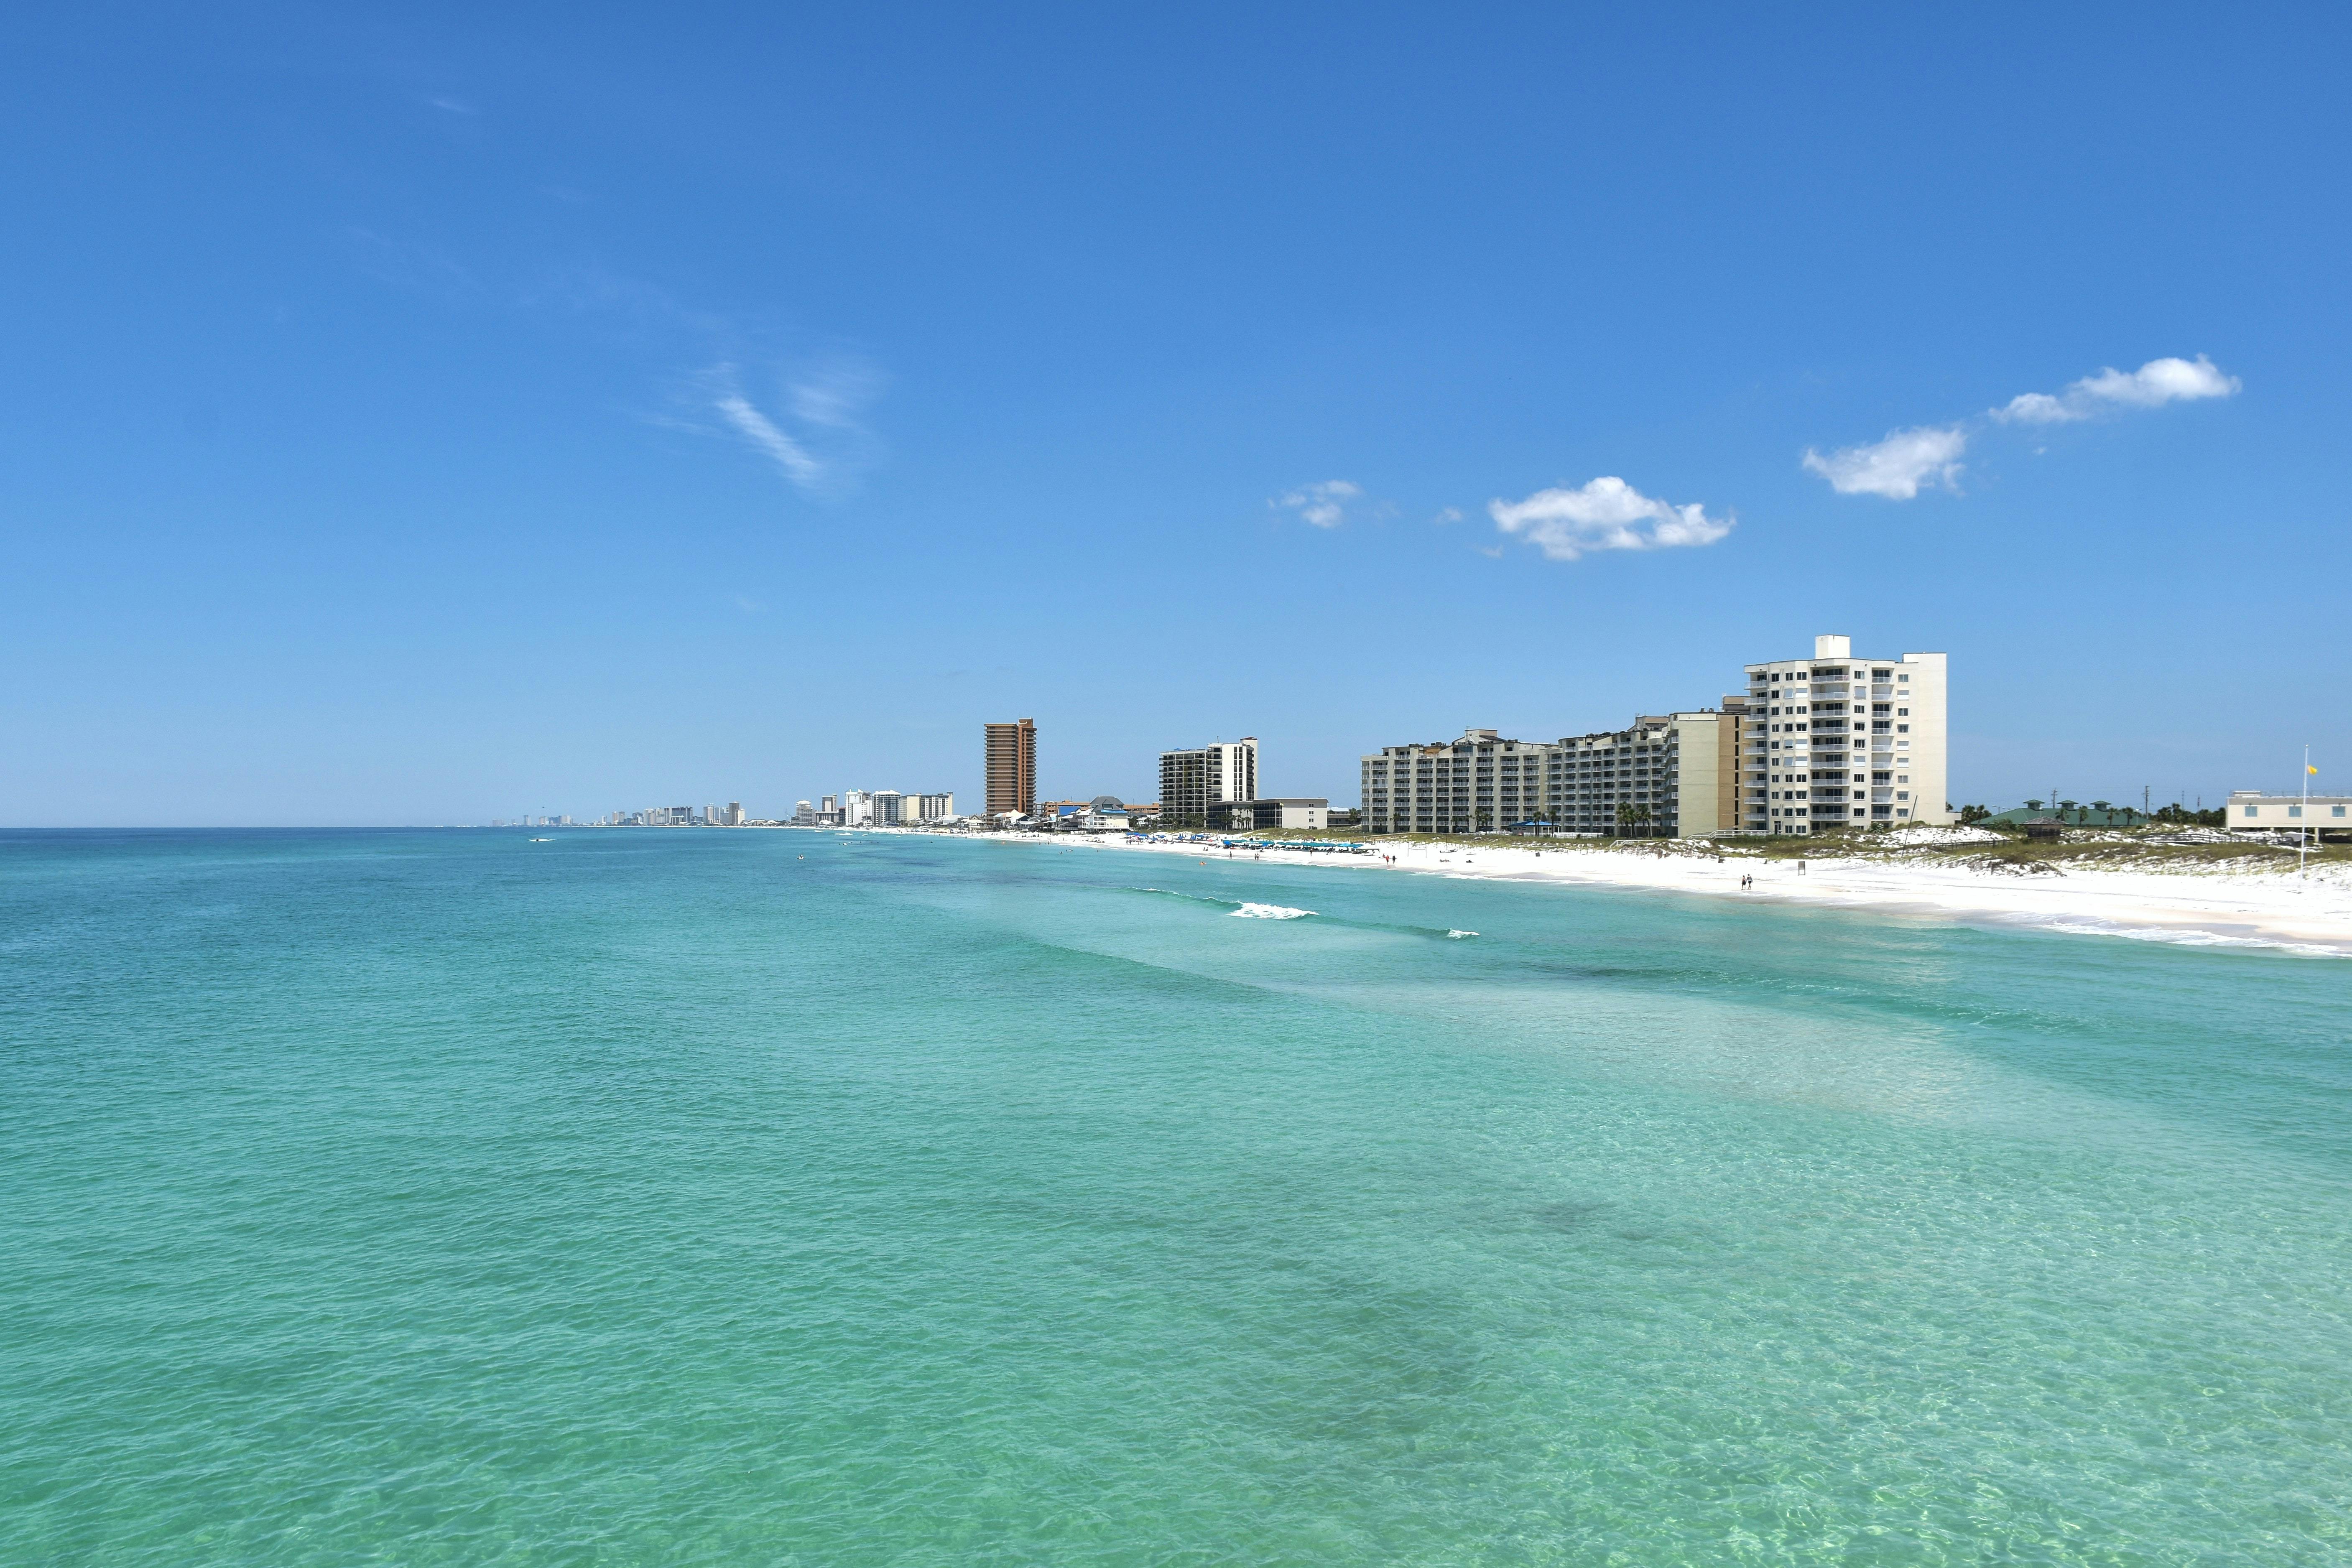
(773, 1198)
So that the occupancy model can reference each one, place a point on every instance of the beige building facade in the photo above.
(2252, 811)
(1836, 742)
(1668, 775)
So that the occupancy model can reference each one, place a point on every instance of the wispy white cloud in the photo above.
(1324, 505)
(1898, 467)
(1606, 513)
(2152, 385)
(1447, 515)
(762, 433)
(815, 438)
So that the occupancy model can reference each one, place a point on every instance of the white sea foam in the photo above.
(2184, 937)
(1271, 912)
(1458, 935)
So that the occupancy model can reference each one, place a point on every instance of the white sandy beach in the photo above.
(2277, 909)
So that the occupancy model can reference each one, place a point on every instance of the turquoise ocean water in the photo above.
(763, 1198)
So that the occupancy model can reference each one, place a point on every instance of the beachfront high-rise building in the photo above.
(1192, 781)
(1839, 742)
(1668, 775)
(895, 808)
(1011, 767)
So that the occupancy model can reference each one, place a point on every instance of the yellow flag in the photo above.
(2309, 769)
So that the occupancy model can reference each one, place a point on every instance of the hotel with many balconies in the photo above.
(1839, 742)
(1668, 775)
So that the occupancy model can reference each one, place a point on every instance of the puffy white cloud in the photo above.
(1896, 466)
(2152, 385)
(1325, 505)
(1927, 456)
(1606, 513)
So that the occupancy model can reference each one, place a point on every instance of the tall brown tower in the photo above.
(1012, 767)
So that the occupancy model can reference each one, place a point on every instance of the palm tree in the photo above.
(1629, 815)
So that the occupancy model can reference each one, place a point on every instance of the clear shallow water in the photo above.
(767, 1198)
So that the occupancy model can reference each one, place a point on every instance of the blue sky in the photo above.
(422, 415)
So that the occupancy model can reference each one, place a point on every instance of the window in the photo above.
(1903, 712)
(1902, 778)
(2294, 811)
(1900, 679)
(1906, 729)
(1903, 794)
(2335, 811)
(2250, 811)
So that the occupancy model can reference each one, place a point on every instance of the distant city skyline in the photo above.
(414, 413)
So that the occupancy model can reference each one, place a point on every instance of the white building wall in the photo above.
(1839, 741)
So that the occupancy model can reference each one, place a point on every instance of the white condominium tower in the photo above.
(1839, 742)
(1193, 780)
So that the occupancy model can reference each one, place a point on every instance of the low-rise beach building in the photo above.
(2252, 811)
(1263, 815)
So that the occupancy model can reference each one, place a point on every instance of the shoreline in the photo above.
(2277, 911)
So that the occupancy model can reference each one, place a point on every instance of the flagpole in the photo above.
(2306, 812)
